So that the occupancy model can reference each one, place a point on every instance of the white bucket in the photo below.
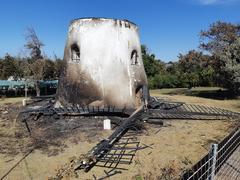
(107, 124)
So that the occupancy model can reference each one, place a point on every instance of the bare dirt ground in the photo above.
(177, 146)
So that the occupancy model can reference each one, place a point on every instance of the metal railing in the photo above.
(211, 163)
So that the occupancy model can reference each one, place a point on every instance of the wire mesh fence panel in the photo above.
(227, 147)
(231, 168)
(198, 170)
(224, 159)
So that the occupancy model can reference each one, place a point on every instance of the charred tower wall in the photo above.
(102, 64)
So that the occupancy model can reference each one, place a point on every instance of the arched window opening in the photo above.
(134, 57)
(75, 53)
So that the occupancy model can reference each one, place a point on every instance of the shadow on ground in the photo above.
(219, 94)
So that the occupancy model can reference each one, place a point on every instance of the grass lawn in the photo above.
(210, 96)
(11, 100)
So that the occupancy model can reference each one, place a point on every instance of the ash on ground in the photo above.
(49, 134)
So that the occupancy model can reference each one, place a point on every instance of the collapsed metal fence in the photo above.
(210, 164)
(111, 152)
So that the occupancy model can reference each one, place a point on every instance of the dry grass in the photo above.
(11, 100)
(232, 104)
(177, 146)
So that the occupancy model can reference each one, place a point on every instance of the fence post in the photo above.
(214, 150)
(26, 90)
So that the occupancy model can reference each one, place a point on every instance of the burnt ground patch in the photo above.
(48, 133)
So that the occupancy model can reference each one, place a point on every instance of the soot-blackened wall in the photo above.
(102, 64)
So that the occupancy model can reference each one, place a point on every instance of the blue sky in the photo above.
(166, 27)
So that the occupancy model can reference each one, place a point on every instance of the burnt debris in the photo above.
(108, 153)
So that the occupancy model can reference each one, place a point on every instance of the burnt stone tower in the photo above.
(102, 64)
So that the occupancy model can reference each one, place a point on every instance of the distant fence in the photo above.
(210, 164)
(18, 88)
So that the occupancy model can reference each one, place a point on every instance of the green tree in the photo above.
(207, 75)
(49, 70)
(219, 36)
(58, 64)
(151, 64)
(195, 69)
(222, 41)
(1, 68)
(231, 69)
(164, 81)
(9, 67)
